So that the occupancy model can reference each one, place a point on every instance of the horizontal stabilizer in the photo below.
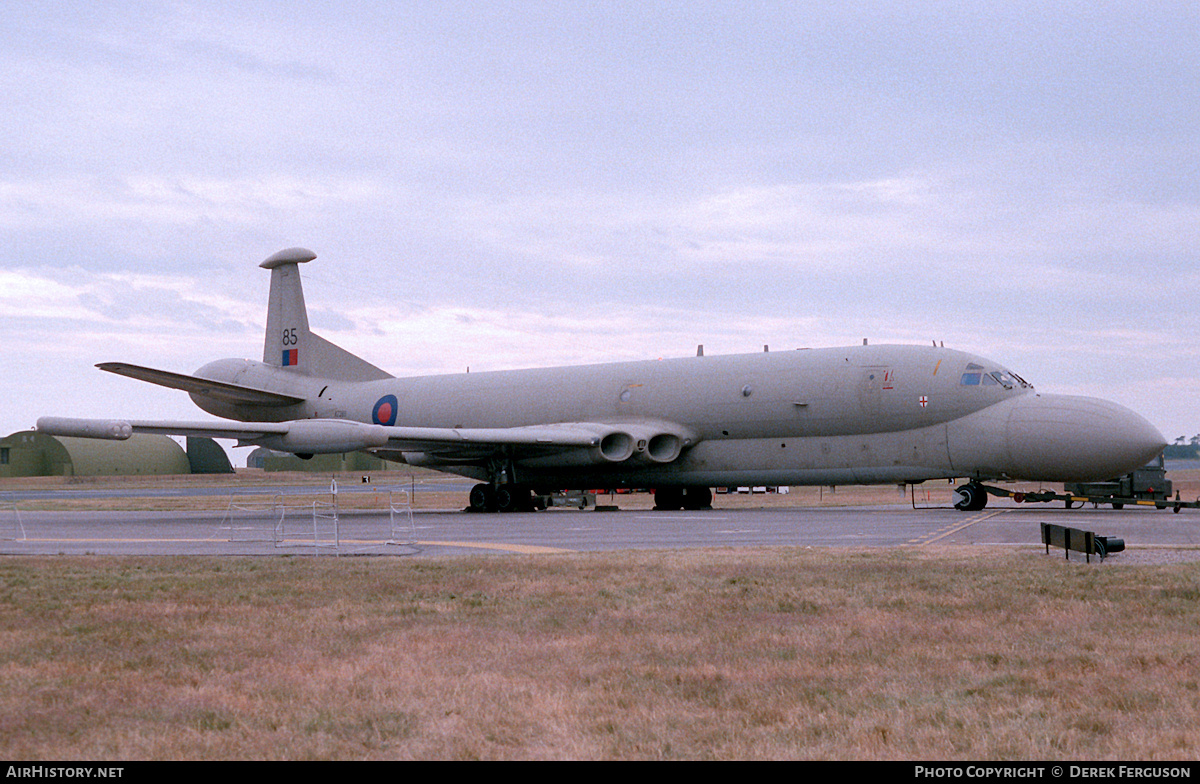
(217, 390)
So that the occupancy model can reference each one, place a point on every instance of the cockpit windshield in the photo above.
(977, 375)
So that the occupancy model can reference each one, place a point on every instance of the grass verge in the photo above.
(699, 654)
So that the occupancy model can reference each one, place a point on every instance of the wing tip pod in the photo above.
(111, 429)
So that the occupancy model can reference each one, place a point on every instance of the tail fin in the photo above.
(289, 343)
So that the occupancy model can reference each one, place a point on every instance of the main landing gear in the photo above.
(501, 498)
(971, 497)
(510, 497)
(676, 498)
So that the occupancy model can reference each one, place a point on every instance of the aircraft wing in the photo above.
(218, 390)
(594, 442)
(333, 435)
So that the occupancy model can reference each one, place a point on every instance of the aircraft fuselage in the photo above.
(856, 415)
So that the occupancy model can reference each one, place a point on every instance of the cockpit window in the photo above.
(976, 376)
(1004, 379)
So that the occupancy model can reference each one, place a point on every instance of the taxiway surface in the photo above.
(442, 533)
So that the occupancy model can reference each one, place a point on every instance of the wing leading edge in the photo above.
(592, 442)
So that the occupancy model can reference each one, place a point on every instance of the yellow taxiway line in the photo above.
(955, 527)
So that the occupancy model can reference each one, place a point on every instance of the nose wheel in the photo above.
(971, 498)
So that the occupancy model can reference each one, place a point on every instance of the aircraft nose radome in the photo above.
(1061, 438)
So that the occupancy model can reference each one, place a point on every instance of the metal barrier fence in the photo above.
(11, 526)
(309, 523)
(400, 517)
(252, 518)
(299, 521)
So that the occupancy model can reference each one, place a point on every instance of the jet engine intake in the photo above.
(664, 448)
(616, 444)
(656, 445)
(616, 447)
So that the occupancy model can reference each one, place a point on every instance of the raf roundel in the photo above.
(385, 411)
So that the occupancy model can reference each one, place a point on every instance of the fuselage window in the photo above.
(970, 379)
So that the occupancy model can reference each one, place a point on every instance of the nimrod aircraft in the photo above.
(835, 416)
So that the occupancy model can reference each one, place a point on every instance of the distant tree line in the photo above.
(1184, 448)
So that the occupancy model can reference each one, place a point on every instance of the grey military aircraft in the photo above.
(870, 414)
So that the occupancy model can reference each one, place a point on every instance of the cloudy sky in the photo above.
(499, 185)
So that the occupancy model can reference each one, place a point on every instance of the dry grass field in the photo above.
(906, 653)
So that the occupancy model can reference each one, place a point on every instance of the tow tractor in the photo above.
(1147, 486)
(1146, 483)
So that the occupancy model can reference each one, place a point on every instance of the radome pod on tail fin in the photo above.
(289, 343)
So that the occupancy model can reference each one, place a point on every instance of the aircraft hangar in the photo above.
(271, 461)
(29, 453)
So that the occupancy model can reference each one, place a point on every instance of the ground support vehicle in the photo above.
(1071, 499)
(1146, 483)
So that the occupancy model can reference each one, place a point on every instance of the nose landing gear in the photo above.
(971, 497)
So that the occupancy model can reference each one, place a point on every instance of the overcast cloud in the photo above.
(499, 185)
